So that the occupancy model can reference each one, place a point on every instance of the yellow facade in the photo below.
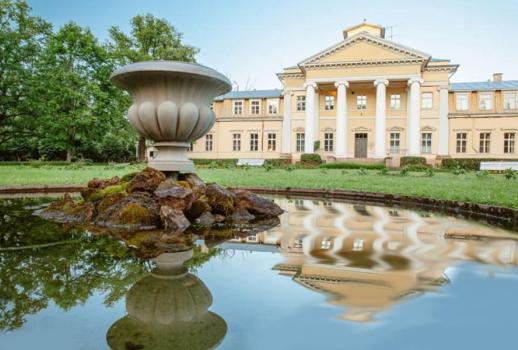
(366, 97)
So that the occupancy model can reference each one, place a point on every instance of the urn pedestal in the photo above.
(171, 107)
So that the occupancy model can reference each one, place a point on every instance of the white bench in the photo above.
(498, 166)
(251, 162)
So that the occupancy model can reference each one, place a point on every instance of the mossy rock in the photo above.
(128, 177)
(98, 195)
(184, 184)
(133, 213)
(110, 200)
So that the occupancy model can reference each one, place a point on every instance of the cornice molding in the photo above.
(363, 63)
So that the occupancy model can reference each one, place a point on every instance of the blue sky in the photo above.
(250, 41)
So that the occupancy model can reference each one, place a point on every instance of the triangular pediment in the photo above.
(364, 47)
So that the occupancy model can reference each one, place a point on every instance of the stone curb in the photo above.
(507, 217)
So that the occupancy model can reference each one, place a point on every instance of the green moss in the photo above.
(110, 200)
(129, 177)
(134, 214)
(98, 195)
(184, 184)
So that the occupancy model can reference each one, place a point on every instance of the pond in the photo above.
(330, 276)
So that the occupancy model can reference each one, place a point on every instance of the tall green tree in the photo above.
(150, 38)
(22, 39)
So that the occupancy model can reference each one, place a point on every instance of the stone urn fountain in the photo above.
(171, 107)
(168, 309)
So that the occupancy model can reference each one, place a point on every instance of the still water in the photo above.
(330, 276)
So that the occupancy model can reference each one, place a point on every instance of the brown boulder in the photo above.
(255, 204)
(198, 207)
(174, 220)
(173, 195)
(96, 184)
(220, 199)
(146, 181)
(137, 211)
(240, 215)
(205, 219)
(196, 184)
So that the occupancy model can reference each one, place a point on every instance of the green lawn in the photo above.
(492, 189)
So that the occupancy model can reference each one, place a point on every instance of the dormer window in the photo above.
(461, 101)
(485, 100)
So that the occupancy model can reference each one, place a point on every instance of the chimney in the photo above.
(497, 76)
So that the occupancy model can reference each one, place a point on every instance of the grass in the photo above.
(492, 189)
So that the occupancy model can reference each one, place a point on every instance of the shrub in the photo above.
(469, 163)
(458, 170)
(429, 172)
(404, 171)
(482, 174)
(277, 163)
(362, 172)
(383, 172)
(352, 165)
(417, 167)
(267, 167)
(410, 160)
(310, 159)
(510, 174)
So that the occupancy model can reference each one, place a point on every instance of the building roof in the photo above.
(485, 86)
(250, 94)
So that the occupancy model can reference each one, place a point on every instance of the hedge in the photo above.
(352, 165)
(470, 163)
(310, 159)
(409, 160)
(36, 163)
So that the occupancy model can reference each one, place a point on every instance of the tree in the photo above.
(150, 39)
(22, 39)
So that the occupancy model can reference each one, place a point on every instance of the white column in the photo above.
(414, 116)
(286, 123)
(309, 127)
(443, 121)
(341, 119)
(317, 118)
(381, 91)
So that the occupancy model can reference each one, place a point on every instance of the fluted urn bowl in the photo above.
(171, 106)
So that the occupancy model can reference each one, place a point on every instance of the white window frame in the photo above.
(329, 102)
(326, 243)
(427, 100)
(485, 101)
(254, 142)
(358, 245)
(252, 106)
(209, 142)
(234, 103)
(426, 142)
(510, 100)
(361, 102)
(458, 105)
(484, 142)
(301, 103)
(461, 142)
(395, 142)
(300, 141)
(395, 101)
(272, 102)
(236, 142)
(509, 142)
(328, 142)
(271, 142)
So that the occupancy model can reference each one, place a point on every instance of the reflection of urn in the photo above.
(171, 106)
(168, 309)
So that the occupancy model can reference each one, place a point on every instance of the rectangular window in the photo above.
(427, 100)
(510, 100)
(301, 103)
(328, 142)
(254, 142)
(300, 141)
(330, 103)
(395, 142)
(361, 102)
(273, 106)
(509, 142)
(237, 107)
(236, 142)
(255, 106)
(461, 102)
(426, 142)
(462, 138)
(191, 146)
(485, 142)
(395, 101)
(272, 141)
(358, 245)
(485, 101)
(208, 142)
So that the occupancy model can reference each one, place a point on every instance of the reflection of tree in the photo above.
(66, 274)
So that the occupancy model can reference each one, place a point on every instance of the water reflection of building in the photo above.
(368, 258)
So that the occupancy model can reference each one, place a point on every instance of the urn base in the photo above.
(169, 157)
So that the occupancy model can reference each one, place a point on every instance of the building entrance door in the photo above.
(360, 145)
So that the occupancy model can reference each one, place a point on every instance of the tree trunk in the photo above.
(70, 154)
(141, 151)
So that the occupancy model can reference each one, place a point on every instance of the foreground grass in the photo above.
(491, 189)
